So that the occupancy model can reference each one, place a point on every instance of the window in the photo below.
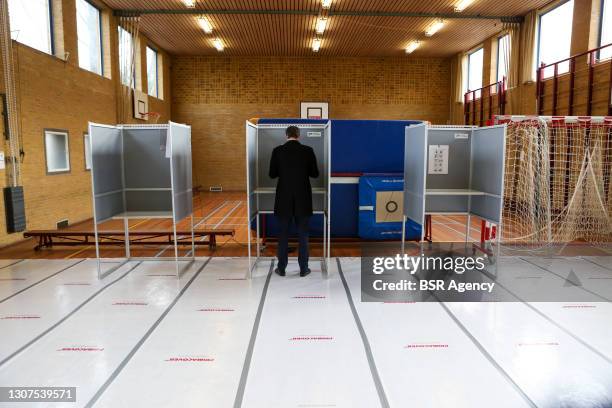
(152, 81)
(89, 35)
(57, 154)
(605, 35)
(503, 56)
(31, 23)
(87, 150)
(555, 37)
(474, 77)
(127, 68)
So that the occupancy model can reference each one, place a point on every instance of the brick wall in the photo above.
(57, 94)
(216, 95)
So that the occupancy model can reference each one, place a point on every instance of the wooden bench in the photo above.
(75, 238)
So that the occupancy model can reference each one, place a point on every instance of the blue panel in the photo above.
(368, 146)
(368, 227)
(344, 210)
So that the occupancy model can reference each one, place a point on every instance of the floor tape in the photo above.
(34, 340)
(40, 281)
(126, 360)
(249, 355)
(364, 339)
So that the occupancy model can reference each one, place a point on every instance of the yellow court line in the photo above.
(77, 252)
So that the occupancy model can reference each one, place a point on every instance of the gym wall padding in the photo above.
(357, 147)
(379, 229)
(368, 146)
(344, 210)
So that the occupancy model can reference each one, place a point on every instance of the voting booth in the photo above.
(261, 139)
(454, 170)
(141, 172)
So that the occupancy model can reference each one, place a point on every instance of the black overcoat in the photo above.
(293, 163)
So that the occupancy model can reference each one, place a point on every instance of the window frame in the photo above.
(149, 47)
(67, 137)
(101, 35)
(51, 31)
(470, 53)
(601, 26)
(541, 14)
(86, 142)
(497, 79)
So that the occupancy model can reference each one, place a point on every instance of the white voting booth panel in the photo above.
(261, 139)
(454, 170)
(141, 171)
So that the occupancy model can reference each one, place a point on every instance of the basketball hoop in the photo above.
(151, 117)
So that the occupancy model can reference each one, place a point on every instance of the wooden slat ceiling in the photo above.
(291, 35)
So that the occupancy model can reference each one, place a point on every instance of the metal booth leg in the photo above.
(126, 230)
(403, 234)
(258, 252)
(250, 272)
(193, 250)
(324, 262)
(176, 257)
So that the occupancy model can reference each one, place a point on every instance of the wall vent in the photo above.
(216, 189)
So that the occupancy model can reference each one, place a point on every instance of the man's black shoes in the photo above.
(281, 272)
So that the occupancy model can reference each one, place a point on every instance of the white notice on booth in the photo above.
(2, 165)
(438, 159)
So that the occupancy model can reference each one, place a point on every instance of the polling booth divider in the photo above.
(454, 170)
(261, 139)
(141, 172)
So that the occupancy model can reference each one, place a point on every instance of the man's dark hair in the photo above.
(292, 131)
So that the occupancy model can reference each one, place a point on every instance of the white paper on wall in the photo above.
(438, 159)
(2, 165)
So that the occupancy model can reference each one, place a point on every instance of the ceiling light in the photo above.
(462, 5)
(326, 3)
(205, 24)
(316, 44)
(321, 24)
(413, 45)
(218, 44)
(434, 27)
(190, 3)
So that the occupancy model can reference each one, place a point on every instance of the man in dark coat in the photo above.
(293, 163)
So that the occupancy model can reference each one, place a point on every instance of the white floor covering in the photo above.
(15, 277)
(308, 351)
(148, 339)
(196, 355)
(45, 304)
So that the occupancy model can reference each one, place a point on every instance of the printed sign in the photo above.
(438, 159)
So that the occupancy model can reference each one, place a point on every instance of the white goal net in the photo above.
(558, 186)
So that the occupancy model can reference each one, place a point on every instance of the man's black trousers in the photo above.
(301, 223)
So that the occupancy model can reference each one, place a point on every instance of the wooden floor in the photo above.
(218, 211)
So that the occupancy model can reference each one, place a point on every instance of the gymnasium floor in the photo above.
(143, 338)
